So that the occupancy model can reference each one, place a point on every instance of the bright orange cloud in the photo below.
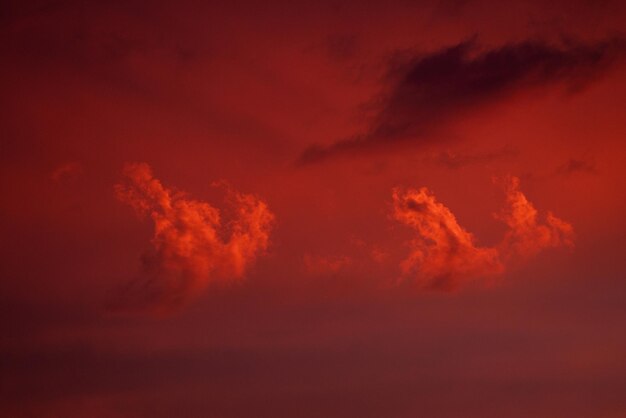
(527, 235)
(443, 255)
(191, 245)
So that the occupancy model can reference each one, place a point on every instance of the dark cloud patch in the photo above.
(574, 165)
(429, 90)
(456, 160)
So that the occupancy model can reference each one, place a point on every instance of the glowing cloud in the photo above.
(527, 235)
(443, 255)
(191, 245)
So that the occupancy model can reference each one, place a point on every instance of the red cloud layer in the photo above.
(192, 246)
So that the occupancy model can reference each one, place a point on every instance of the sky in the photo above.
(313, 209)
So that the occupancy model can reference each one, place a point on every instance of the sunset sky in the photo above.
(307, 209)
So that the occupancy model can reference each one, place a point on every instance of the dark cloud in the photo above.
(432, 89)
(574, 165)
(456, 160)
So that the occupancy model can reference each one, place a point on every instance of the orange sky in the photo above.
(305, 209)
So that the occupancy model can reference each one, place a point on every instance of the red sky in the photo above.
(313, 209)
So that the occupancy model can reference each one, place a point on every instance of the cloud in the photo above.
(192, 246)
(527, 235)
(443, 255)
(326, 265)
(429, 90)
(456, 160)
(573, 166)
